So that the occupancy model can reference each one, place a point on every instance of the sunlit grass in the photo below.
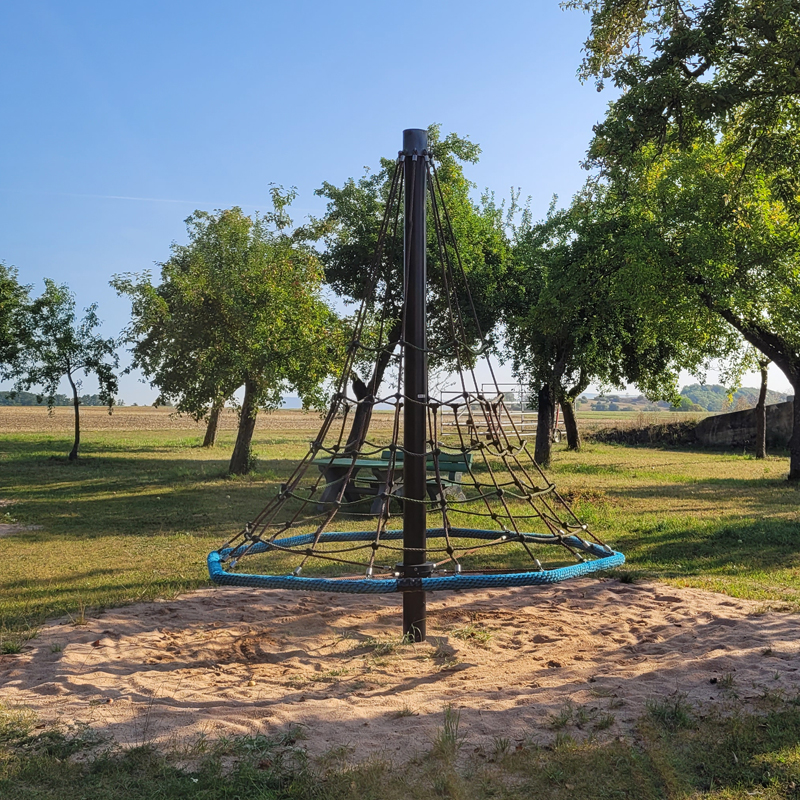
(136, 516)
(675, 753)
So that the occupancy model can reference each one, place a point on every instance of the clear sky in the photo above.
(121, 118)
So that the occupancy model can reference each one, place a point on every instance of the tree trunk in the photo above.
(778, 350)
(544, 426)
(571, 424)
(363, 413)
(73, 454)
(568, 409)
(242, 460)
(761, 413)
(213, 425)
(794, 441)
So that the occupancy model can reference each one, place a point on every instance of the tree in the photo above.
(350, 232)
(168, 333)
(13, 303)
(715, 233)
(240, 305)
(57, 345)
(571, 318)
(712, 90)
(761, 410)
(685, 69)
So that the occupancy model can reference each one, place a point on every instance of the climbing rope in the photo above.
(501, 522)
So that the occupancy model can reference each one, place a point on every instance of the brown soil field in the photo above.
(37, 419)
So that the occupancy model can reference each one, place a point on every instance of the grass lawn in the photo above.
(676, 756)
(136, 516)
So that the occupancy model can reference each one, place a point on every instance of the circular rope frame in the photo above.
(604, 558)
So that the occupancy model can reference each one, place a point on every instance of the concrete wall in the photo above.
(738, 429)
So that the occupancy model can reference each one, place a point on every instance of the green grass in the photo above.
(135, 517)
(673, 755)
(132, 520)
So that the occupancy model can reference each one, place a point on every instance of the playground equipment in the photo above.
(518, 402)
(329, 527)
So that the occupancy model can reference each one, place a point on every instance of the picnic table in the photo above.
(370, 477)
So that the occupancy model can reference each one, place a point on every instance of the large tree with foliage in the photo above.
(239, 306)
(13, 303)
(350, 232)
(57, 345)
(709, 123)
(572, 317)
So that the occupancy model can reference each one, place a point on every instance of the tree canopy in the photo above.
(349, 233)
(686, 68)
(702, 149)
(573, 317)
(240, 305)
(14, 299)
(350, 229)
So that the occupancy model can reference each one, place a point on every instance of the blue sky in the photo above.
(120, 119)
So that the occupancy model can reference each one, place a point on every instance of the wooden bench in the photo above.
(370, 477)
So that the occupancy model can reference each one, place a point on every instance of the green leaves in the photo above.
(13, 329)
(350, 231)
(59, 345)
(240, 302)
(588, 300)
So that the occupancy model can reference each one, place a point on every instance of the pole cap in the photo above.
(415, 139)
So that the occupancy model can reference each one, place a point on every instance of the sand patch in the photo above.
(9, 528)
(239, 661)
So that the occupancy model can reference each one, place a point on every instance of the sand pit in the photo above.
(237, 661)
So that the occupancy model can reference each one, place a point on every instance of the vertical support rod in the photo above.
(415, 143)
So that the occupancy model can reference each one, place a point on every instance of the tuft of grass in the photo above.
(404, 711)
(10, 647)
(671, 713)
(474, 634)
(331, 676)
(15, 723)
(380, 647)
(79, 618)
(728, 684)
(604, 722)
(447, 740)
(562, 718)
(501, 747)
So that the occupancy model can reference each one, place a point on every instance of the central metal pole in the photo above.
(415, 566)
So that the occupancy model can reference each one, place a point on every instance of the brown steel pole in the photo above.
(415, 565)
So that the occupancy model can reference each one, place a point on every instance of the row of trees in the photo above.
(241, 305)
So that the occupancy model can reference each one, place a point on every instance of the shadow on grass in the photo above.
(676, 547)
(131, 495)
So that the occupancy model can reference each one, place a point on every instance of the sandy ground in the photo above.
(238, 661)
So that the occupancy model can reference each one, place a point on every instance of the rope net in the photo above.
(494, 517)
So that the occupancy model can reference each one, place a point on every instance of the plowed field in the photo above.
(36, 419)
